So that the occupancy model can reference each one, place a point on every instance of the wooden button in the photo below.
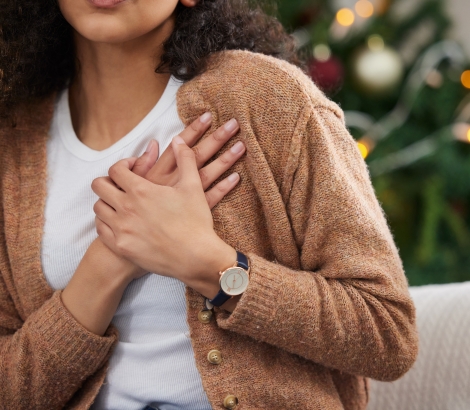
(230, 402)
(214, 357)
(205, 316)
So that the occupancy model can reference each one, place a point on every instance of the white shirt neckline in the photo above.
(85, 153)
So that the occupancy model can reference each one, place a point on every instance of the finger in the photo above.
(104, 212)
(106, 234)
(107, 190)
(217, 193)
(145, 162)
(190, 135)
(122, 175)
(186, 162)
(216, 168)
(206, 149)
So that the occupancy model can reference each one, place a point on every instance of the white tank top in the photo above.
(153, 363)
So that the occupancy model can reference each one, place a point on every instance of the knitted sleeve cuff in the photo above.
(256, 309)
(73, 345)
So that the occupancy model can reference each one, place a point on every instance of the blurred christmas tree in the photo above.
(405, 91)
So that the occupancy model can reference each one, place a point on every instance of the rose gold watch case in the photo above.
(234, 281)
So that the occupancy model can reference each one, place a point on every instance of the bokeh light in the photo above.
(345, 17)
(466, 79)
(363, 149)
(322, 52)
(375, 43)
(364, 8)
(468, 135)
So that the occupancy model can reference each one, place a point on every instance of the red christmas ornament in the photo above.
(328, 75)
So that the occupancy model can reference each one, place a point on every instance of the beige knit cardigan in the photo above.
(327, 304)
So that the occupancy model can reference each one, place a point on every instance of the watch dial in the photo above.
(234, 281)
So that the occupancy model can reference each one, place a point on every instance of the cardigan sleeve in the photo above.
(45, 359)
(348, 308)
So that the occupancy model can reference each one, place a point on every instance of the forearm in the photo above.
(95, 290)
(354, 325)
(47, 360)
(63, 340)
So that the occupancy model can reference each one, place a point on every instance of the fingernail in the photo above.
(231, 125)
(237, 148)
(205, 118)
(149, 147)
(178, 140)
(234, 177)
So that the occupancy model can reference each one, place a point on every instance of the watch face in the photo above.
(234, 281)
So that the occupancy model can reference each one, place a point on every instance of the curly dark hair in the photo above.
(37, 51)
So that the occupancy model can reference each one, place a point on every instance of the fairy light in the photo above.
(345, 17)
(466, 79)
(366, 146)
(364, 8)
(461, 132)
(363, 149)
(322, 52)
(375, 42)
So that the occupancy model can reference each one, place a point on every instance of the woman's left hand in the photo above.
(167, 230)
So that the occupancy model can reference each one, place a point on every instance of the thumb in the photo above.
(145, 162)
(185, 161)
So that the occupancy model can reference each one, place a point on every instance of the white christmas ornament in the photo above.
(378, 70)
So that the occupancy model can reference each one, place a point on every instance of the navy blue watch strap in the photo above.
(222, 297)
(242, 261)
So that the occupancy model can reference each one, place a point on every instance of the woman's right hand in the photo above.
(96, 288)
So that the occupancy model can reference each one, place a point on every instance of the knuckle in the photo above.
(127, 208)
(210, 197)
(113, 171)
(95, 184)
(98, 226)
(121, 245)
(126, 229)
(225, 159)
(139, 190)
(203, 175)
(99, 230)
(195, 126)
(219, 135)
(139, 162)
(221, 188)
(197, 151)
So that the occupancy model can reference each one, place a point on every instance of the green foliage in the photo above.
(427, 202)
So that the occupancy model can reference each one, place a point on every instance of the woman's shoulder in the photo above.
(254, 78)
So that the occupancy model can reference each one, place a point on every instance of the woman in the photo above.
(295, 292)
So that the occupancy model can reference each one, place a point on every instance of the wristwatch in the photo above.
(233, 281)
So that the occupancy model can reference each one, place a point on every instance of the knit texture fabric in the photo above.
(440, 378)
(327, 304)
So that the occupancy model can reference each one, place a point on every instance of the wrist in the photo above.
(218, 256)
(114, 269)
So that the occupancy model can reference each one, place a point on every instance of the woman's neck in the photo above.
(116, 86)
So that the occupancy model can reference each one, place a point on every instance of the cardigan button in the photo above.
(214, 357)
(205, 316)
(230, 402)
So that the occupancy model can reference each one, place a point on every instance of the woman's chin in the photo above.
(106, 29)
